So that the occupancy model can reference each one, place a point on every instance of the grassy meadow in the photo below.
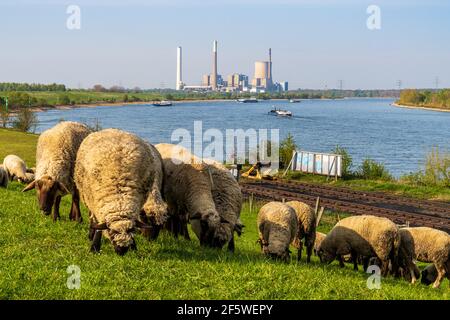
(35, 253)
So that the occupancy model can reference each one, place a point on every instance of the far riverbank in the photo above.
(419, 107)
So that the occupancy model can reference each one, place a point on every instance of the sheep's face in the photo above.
(121, 234)
(325, 256)
(428, 275)
(47, 189)
(282, 255)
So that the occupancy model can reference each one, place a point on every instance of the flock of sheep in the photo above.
(130, 186)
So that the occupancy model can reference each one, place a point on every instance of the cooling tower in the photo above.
(261, 70)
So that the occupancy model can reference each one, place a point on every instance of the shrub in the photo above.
(437, 169)
(4, 117)
(286, 150)
(25, 120)
(347, 161)
(370, 169)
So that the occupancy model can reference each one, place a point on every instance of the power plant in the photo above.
(261, 82)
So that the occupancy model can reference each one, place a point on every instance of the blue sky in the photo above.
(314, 43)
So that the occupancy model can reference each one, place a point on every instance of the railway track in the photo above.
(401, 210)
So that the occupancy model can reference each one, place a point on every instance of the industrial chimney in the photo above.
(179, 71)
(214, 71)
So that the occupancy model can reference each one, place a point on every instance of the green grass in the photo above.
(18, 143)
(35, 253)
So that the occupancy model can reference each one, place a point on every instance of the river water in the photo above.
(398, 137)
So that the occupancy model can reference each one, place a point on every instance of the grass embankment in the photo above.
(36, 252)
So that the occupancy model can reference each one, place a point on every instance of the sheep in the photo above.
(155, 211)
(277, 226)
(188, 193)
(55, 162)
(430, 274)
(228, 199)
(3, 177)
(426, 245)
(15, 168)
(365, 236)
(114, 173)
(319, 238)
(306, 218)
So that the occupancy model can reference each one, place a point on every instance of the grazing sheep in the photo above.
(155, 211)
(319, 238)
(55, 163)
(15, 168)
(277, 226)
(426, 245)
(228, 199)
(188, 193)
(365, 236)
(114, 173)
(306, 218)
(3, 177)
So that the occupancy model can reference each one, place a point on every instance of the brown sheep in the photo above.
(365, 236)
(306, 218)
(426, 245)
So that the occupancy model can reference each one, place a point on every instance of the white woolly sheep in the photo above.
(3, 177)
(319, 238)
(306, 219)
(188, 193)
(426, 245)
(15, 168)
(365, 236)
(114, 173)
(277, 227)
(55, 163)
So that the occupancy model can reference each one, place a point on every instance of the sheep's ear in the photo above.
(63, 188)
(29, 187)
(101, 226)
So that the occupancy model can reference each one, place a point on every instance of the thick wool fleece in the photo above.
(364, 235)
(306, 223)
(57, 151)
(114, 173)
(277, 226)
(15, 167)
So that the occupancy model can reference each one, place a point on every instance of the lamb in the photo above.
(188, 193)
(15, 168)
(115, 172)
(365, 236)
(55, 163)
(155, 211)
(306, 218)
(277, 225)
(3, 177)
(426, 245)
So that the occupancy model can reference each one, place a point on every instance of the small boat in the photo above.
(162, 104)
(280, 113)
(294, 100)
(251, 100)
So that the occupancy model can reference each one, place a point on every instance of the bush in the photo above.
(64, 100)
(287, 148)
(25, 120)
(4, 117)
(347, 161)
(370, 169)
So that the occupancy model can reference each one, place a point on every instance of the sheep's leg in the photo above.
(56, 208)
(75, 212)
(231, 244)
(96, 241)
(309, 250)
(440, 275)
(184, 229)
(341, 262)
(384, 268)
(354, 258)
(299, 251)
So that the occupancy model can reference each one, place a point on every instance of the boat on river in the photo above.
(162, 103)
(280, 112)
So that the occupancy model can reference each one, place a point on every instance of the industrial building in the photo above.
(261, 82)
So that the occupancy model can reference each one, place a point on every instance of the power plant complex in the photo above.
(261, 82)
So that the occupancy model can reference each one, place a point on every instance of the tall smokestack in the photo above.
(214, 71)
(270, 67)
(179, 69)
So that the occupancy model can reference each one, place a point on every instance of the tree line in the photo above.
(426, 98)
(13, 86)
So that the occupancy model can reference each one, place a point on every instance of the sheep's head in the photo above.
(325, 256)
(282, 255)
(205, 225)
(429, 275)
(47, 189)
